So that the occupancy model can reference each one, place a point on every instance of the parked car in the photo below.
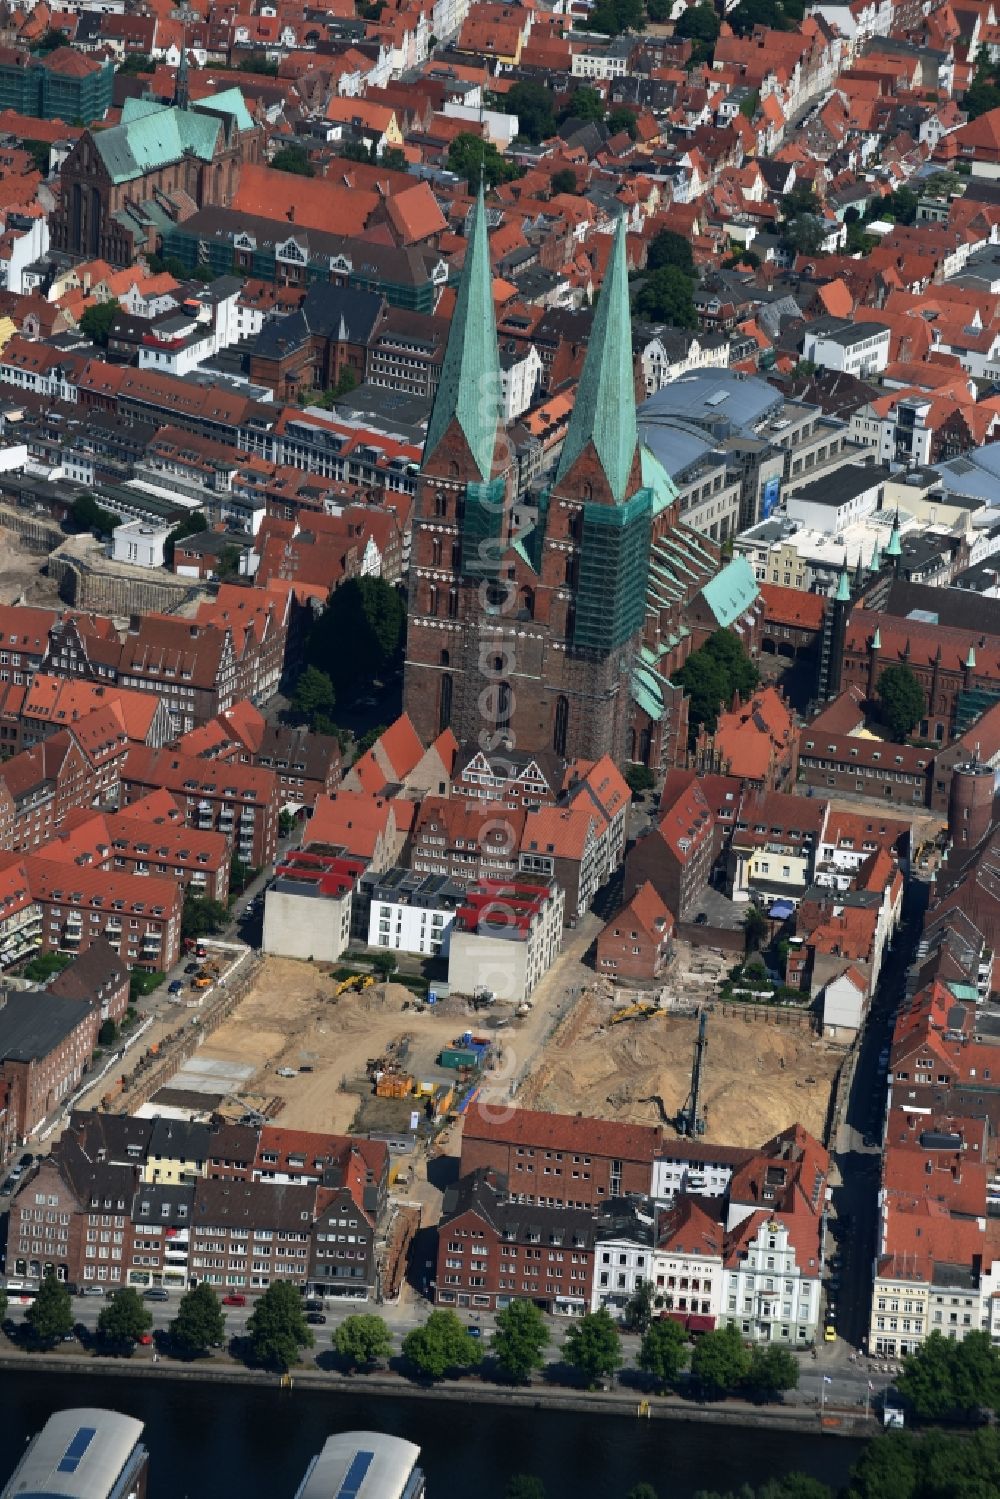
(26, 1160)
(92, 1291)
(234, 1299)
(175, 987)
(313, 1304)
(8, 1187)
(156, 1293)
(474, 1331)
(317, 1319)
(146, 1341)
(190, 968)
(829, 1333)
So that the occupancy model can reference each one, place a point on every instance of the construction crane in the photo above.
(691, 1120)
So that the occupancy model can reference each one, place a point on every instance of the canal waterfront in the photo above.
(211, 1441)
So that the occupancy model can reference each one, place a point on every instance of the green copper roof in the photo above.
(469, 391)
(152, 136)
(229, 102)
(893, 548)
(604, 410)
(656, 478)
(843, 594)
(877, 639)
(731, 592)
(970, 659)
(875, 564)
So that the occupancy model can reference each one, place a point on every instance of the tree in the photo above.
(711, 675)
(46, 965)
(593, 1346)
(201, 916)
(772, 1371)
(193, 524)
(858, 242)
(659, 11)
(639, 1307)
(639, 777)
(699, 23)
(136, 62)
(520, 1340)
(394, 160)
(945, 1379)
(750, 14)
(240, 875)
(441, 1346)
(902, 703)
(359, 636)
(665, 296)
(584, 104)
(471, 157)
(286, 823)
(313, 695)
(277, 1327)
(663, 1353)
(347, 381)
(805, 234)
(88, 515)
(623, 118)
(97, 320)
(385, 963)
(108, 1034)
(39, 152)
(564, 181)
(669, 248)
(124, 1319)
(524, 1486)
(754, 927)
(642, 1491)
(363, 1340)
(228, 565)
(720, 1362)
(612, 17)
(980, 98)
(200, 1323)
(294, 159)
(532, 103)
(50, 1315)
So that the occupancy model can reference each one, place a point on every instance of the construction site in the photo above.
(732, 1074)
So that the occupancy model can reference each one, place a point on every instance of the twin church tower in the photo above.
(527, 635)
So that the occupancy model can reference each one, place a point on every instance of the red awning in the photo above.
(700, 1324)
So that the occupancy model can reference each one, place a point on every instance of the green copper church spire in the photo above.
(843, 594)
(604, 410)
(893, 547)
(469, 391)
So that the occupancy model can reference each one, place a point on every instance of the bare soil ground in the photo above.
(759, 1077)
(291, 1018)
(21, 576)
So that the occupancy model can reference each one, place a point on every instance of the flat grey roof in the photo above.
(80, 1454)
(33, 1023)
(362, 1465)
(714, 395)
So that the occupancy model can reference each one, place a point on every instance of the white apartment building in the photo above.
(769, 1293)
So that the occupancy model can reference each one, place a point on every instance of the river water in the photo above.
(216, 1441)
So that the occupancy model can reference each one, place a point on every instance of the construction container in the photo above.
(455, 1056)
(394, 1085)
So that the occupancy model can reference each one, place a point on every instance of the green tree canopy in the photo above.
(663, 1353)
(639, 1307)
(623, 118)
(711, 675)
(277, 1327)
(359, 636)
(471, 157)
(532, 103)
(294, 159)
(88, 515)
(945, 1380)
(564, 181)
(50, 1315)
(593, 1346)
(201, 916)
(584, 103)
(980, 98)
(666, 296)
(902, 703)
(124, 1319)
(772, 1371)
(520, 1340)
(804, 234)
(200, 1323)
(46, 965)
(524, 1486)
(669, 248)
(700, 23)
(313, 697)
(750, 14)
(441, 1346)
(385, 963)
(96, 322)
(192, 525)
(363, 1340)
(612, 17)
(720, 1362)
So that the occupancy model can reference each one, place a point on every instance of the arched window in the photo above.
(444, 707)
(452, 603)
(561, 725)
(526, 603)
(504, 701)
(645, 744)
(446, 658)
(440, 503)
(432, 600)
(570, 570)
(436, 552)
(453, 469)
